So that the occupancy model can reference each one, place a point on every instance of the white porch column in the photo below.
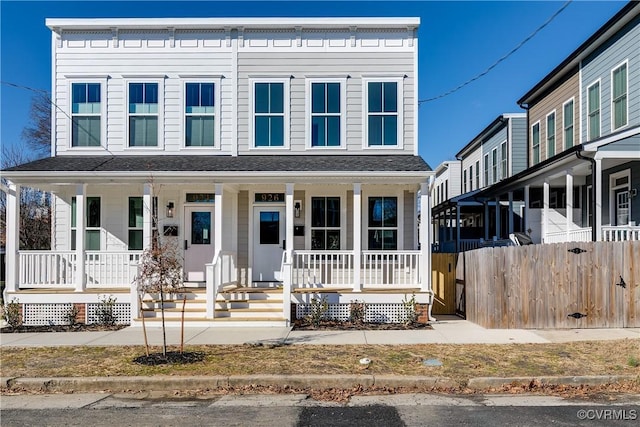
(498, 225)
(425, 239)
(510, 221)
(81, 204)
(217, 240)
(289, 209)
(526, 208)
(147, 215)
(545, 210)
(597, 215)
(357, 236)
(12, 239)
(569, 203)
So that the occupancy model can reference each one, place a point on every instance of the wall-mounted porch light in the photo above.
(297, 208)
(170, 208)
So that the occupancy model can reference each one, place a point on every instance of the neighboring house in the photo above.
(495, 154)
(584, 141)
(280, 154)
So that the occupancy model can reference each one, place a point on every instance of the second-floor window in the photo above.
(325, 114)
(464, 181)
(567, 118)
(619, 96)
(494, 165)
(143, 114)
(486, 169)
(85, 115)
(269, 114)
(551, 135)
(593, 110)
(471, 178)
(199, 115)
(535, 143)
(478, 173)
(503, 160)
(382, 114)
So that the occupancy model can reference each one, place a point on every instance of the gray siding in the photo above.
(518, 155)
(627, 144)
(622, 47)
(487, 147)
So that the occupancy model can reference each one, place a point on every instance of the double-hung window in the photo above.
(535, 143)
(143, 114)
(494, 165)
(383, 113)
(551, 134)
(471, 178)
(567, 117)
(199, 115)
(486, 169)
(86, 109)
(269, 114)
(326, 106)
(464, 181)
(619, 96)
(325, 223)
(593, 110)
(504, 161)
(135, 223)
(383, 223)
(92, 223)
(478, 173)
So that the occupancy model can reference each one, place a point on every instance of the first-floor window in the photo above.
(135, 223)
(325, 223)
(383, 223)
(92, 223)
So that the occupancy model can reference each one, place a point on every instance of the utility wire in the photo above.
(485, 72)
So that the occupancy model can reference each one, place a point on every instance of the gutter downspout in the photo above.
(593, 191)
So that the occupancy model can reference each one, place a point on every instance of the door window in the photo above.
(200, 228)
(269, 228)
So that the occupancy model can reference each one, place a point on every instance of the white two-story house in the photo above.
(279, 154)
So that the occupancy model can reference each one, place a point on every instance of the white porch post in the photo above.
(217, 240)
(13, 238)
(498, 225)
(425, 240)
(526, 208)
(81, 204)
(545, 210)
(288, 199)
(598, 196)
(147, 215)
(357, 236)
(510, 221)
(569, 204)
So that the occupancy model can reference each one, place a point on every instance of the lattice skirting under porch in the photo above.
(58, 313)
(374, 312)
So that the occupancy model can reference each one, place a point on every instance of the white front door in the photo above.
(199, 241)
(268, 241)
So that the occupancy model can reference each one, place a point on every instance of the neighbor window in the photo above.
(593, 110)
(551, 135)
(382, 114)
(478, 173)
(135, 223)
(503, 160)
(619, 96)
(383, 223)
(325, 223)
(143, 114)
(325, 114)
(535, 143)
(494, 165)
(199, 115)
(92, 223)
(464, 181)
(568, 124)
(86, 109)
(269, 114)
(471, 178)
(486, 169)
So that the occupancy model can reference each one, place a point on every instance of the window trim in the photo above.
(286, 97)
(624, 63)
(564, 123)
(217, 82)
(399, 113)
(103, 112)
(548, 134)
(308, 114)
(535, 147)
(160, 114)
(599, 110)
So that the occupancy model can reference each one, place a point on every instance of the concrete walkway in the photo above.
(447, 330)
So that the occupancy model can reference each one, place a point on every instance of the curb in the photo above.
(171, 383)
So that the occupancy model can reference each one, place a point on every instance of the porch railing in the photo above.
(620, 233)
(398, 268)
(322, 269)
(46, 269)
(221, 272)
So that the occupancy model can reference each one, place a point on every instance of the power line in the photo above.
(492, 66)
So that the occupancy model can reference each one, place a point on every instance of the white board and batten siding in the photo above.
(230, 56)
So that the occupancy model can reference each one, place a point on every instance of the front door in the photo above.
(268, 241)
(198, 243)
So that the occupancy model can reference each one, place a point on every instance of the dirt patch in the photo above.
(170, 358)
(79, 327)
(335, 325)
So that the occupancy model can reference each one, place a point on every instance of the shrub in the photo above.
(317, 310)
(409, 307)
(71, 314)
(104, 312)
(633, 362)
(357, 311)
(12, 313)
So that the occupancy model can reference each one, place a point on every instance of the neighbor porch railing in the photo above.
(620, 233)
(576, 235)
(51, 269)
(610, 233)
(221, 272)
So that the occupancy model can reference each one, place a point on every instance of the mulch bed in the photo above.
(79, 327)
(336, 325)
(170, 358)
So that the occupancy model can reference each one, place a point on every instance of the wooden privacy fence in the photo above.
(443, 281)
(564, 285)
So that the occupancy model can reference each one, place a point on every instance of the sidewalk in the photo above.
(447, 330)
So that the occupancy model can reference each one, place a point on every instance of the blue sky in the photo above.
(458, 40)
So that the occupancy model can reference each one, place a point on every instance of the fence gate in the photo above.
(443, 280)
